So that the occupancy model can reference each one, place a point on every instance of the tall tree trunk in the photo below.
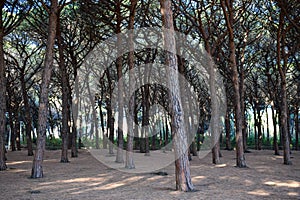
(110, 119)
(215, 124)
(229, 17)
(182, 164)
(3, 165)
(37, 168)
(27, 114)
(243, 111)
(119, 157)
(129, 153)
(94, 126)
(72, 115)
(282, 71)
(64, 88)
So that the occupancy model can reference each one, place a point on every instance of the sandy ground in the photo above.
(87, 178)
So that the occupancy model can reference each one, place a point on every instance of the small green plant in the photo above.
(53, 143)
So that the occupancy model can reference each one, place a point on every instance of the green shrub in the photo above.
(53, 143)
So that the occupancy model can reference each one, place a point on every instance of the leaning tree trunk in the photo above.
(37, 168)
(182, 164)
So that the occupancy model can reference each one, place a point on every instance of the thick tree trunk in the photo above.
(282, 71)
(182, 165)
(229, 16)
(215, 123)
(129, 153)
(37, 168)
(64, 88)
(285, 135)
(242, 101)
(119, 157)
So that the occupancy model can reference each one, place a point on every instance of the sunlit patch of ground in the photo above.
(87, 178)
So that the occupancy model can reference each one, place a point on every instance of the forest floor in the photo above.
(87, 178)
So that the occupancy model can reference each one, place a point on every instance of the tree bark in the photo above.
(11, 122)
(259, 126)
(145, 120)
(104, 136)
(297, 127)
(64, 88)
(110, 122)
(268, 127)
(27, 114)
(17, 129)
(119, 157)
(229, 17)
(129, 153)
(282, 72)
(3, 165)
(275, 143)
(227, 130)
(255, 126)
(182, 165)
(37, 168)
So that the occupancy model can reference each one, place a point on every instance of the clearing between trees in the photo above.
(87, 178)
